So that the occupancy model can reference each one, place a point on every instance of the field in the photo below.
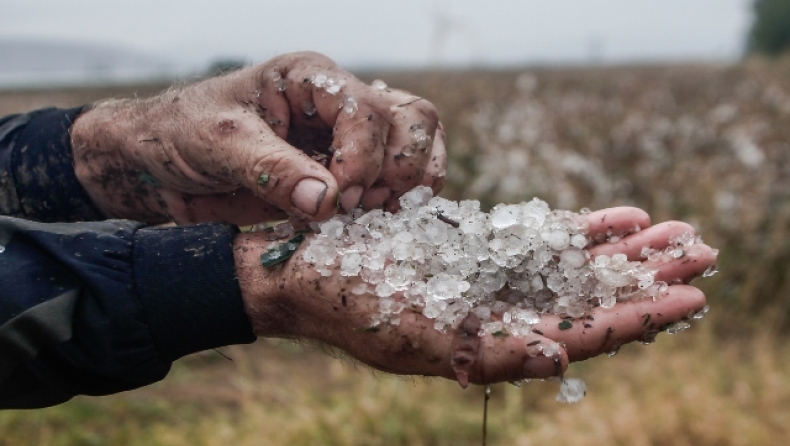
(705, 144)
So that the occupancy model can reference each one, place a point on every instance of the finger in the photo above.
(363, 121)
(434, 177)
(241, 208)
(656, 237)
(326, 99)
(415, 347)
(515, 358)
(617, 221)
(256, 155)
(268, 101)
(408, 150)
(375, 197)
(279, 173)
(436, 170)
(683, 263)
(606, 329)
(359, 150)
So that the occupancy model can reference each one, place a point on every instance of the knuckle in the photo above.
(271, 162)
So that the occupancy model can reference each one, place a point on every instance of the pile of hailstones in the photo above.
(446, 259)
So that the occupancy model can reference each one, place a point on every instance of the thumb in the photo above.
(284, 176)
(517, 357)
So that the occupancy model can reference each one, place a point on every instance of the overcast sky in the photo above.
(395, 33)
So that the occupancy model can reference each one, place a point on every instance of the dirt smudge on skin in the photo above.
(227, 126)
(466, 345)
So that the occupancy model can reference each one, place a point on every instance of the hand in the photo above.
(255, 145)
(296, 302)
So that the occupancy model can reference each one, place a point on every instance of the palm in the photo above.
(414, 347)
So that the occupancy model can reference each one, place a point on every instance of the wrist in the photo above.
(272, 312)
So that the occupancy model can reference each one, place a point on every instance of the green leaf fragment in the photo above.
(281, 252)
(566, 324)
(147, 178)
(500, 334)
(263, 179)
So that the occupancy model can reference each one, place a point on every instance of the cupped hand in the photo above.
(296, 136)
(297, 302)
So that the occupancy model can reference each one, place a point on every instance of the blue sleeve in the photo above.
(101, 307)
(97, 307)
(37, 179)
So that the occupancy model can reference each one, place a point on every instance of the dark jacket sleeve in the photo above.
(37, 179)
(98, 307)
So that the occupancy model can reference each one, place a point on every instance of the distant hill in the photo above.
(48, 62)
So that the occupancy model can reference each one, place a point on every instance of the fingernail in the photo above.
(350, 197)
(308, 195)
(375, 198)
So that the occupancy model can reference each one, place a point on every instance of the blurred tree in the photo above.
(770, 33)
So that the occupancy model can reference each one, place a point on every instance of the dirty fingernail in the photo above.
(376, 197)
(350, 197)
(308, 195)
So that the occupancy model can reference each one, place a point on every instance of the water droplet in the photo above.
(419, 137)
(701, 313)
(572, 390)
(308, 108)
(279, 82)
(319, 80)
(677, 327)
(350, 105)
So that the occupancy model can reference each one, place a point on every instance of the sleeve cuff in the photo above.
(42, 166)
(185, 278)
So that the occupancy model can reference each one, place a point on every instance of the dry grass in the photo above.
(684, 390)
(706, 144)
